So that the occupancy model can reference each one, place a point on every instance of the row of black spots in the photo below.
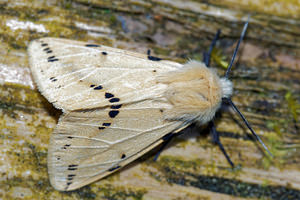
(52, 59)
(115, 108)
(53, 79)
(104, 125)
(99, 87)
(153, 58)
(68, 184)
(72, 167)
(70, 178)
(93, 45)
(47, 49)
(114, 168)
(111, 97)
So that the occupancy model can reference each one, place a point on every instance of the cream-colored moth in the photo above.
(116, 104)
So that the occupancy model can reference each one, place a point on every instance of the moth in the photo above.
(117, 105)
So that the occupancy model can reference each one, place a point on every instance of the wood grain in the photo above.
(266, 81)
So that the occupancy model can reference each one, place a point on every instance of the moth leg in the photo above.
(153, 58)
(216, 140)
(207, 55)
(166, 140)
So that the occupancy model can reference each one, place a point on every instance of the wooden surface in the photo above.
(266, 81)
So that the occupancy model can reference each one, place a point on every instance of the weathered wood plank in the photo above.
(266, 80)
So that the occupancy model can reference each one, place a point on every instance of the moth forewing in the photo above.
(75, 75)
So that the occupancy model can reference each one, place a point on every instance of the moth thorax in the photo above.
(195, 92)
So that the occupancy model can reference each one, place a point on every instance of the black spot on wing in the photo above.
(92, 85)
(66, 146)
(101, 127)
(104, 53)
(68, 184)
(108, 95)
(113, 113)
(114, 100)
(116, 106)
(53, 60)
(99, 87)
(50, 51)
(46, 49)
(106, 124)
(44, 44)
(114, 168)
(123, 156)
(92, 45)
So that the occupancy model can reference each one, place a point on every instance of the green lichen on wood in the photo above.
(220, 59)
(107, 191)
(177, 172)
(293, 105)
